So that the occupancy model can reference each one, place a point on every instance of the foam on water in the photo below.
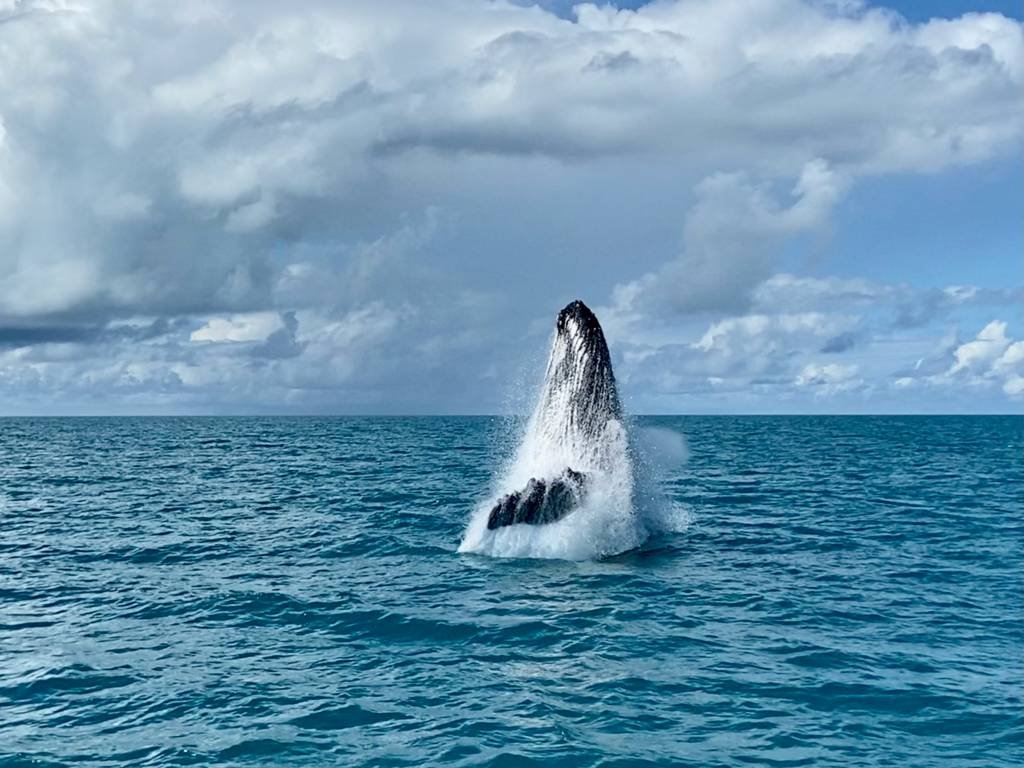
(606, 521)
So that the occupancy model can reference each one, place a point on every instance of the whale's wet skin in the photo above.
(541, 501)
(571, 490)
(578, 401)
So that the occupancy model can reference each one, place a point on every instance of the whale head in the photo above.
(580, 395)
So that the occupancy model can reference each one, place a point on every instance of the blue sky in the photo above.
(912, 10)
(774, 206)
(922, 11)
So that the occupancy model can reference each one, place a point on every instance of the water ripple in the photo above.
(180, 592)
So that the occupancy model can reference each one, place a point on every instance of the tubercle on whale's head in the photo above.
(584, 318)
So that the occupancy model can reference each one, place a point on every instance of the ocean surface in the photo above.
(288, 591)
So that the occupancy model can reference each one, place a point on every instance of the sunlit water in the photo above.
(288, 591)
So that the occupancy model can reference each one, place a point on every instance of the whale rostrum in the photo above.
(580, 369)
(578, 400)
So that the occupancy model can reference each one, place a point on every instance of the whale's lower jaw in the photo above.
(540, 502)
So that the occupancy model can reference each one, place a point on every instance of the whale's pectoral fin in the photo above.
(541, 501)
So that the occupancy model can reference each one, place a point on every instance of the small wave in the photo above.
(340, 718)
(264, 748)
(72, 679)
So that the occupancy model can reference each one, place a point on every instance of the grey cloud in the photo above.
(731, 238)
(841, 343)
(828, 294)
(281, 343)
(918, 309)
(612, 61)
(29, 335)
(26, 336)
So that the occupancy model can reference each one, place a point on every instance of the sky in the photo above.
(365, 207)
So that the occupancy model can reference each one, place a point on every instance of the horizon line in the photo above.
(476, 415)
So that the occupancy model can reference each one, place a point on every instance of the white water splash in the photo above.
(621, 507)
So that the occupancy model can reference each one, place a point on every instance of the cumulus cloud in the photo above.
(731, 236)
(271, 201)
(828, 378)
(1011, 360)
(1014, 386)
(748, 355)
(758, 333)
(251, 327)
(919, 308)
(991, 360)
(991, 357)
(989, 346)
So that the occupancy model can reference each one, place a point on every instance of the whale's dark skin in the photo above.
(540, 501)
(581, 370)
(586, 370)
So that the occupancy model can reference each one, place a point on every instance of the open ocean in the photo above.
(287, 591)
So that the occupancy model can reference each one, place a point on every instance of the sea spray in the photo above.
(577, 424)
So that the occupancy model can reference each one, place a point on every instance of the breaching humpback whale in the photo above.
(577, 403)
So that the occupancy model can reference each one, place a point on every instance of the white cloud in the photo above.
(1014, 386)
(991, 361)
(752, 333)
(829, 378)
(1011, 360)
(43, 284)
(757, 357)
(979, 354)
(974, 31)
(251, 327)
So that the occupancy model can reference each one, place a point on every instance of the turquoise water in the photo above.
(288, 592)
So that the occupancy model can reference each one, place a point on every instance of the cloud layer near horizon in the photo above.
(379, 207)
